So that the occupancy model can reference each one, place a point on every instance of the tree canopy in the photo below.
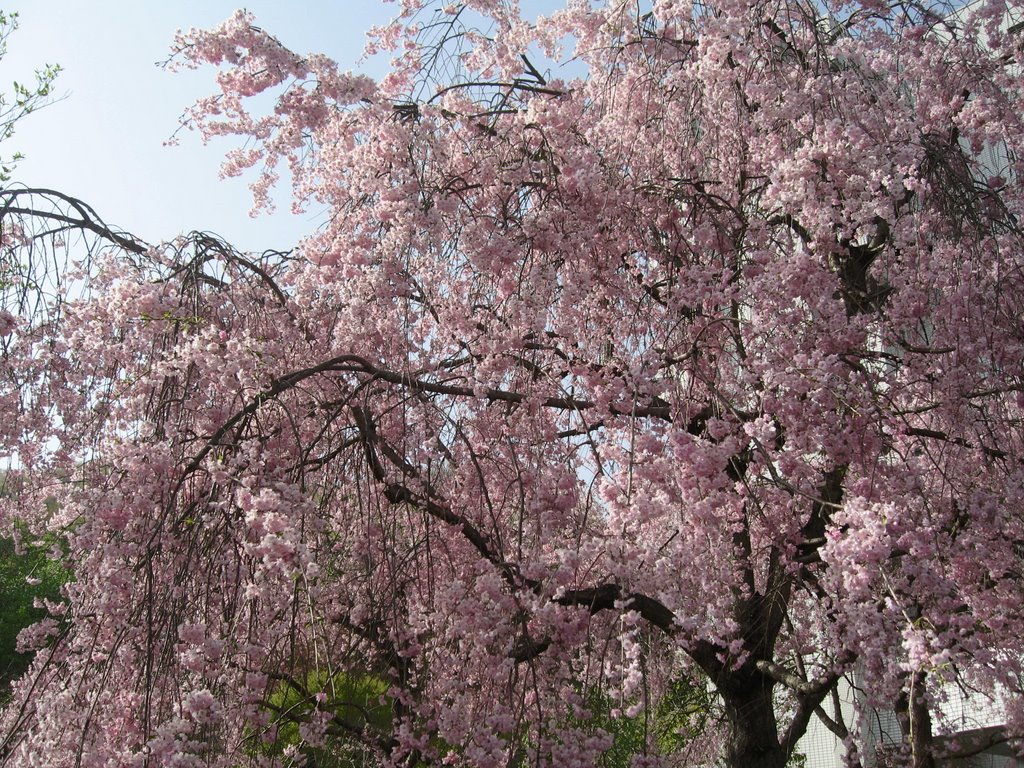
(699, 364)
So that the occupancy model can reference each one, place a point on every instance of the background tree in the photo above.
(705, 364)
(24, 98)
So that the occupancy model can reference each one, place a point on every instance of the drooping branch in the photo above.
(87, 219)
(360, 365)
(399, 493)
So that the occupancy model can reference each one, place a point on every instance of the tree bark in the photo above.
(916, 721)
(754, 732)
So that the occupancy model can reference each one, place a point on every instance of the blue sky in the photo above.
(102, 141)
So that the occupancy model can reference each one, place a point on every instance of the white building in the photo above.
(970, 719)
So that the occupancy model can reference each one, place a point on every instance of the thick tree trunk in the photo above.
(754, 733)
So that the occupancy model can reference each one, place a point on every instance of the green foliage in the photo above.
(683, 713)
(357, 701)
(629, 732)
(24, 99)
(18, 598)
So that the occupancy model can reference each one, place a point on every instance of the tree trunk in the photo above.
(916, 721)
(753, 740)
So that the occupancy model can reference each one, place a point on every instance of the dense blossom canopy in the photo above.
(697, 369)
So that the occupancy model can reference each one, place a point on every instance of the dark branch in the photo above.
(88, 220)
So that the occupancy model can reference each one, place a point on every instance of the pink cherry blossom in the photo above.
(698, 359)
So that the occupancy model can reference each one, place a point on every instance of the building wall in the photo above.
(958, 712)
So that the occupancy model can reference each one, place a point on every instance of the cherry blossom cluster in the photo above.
(703, 361)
